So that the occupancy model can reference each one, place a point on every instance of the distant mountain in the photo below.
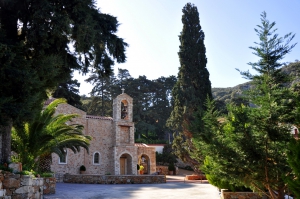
(232, 94)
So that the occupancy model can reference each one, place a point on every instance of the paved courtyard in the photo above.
(175, 187)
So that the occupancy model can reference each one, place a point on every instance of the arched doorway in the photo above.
(144, 160)
(125, 164)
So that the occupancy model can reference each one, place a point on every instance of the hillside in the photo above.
(229, 94)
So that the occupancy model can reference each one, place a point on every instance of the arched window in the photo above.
(124, 110)
(96, 158)
(63, 158)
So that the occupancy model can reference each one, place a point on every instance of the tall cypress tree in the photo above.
(193, 85)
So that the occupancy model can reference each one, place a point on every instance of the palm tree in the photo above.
(48, 133)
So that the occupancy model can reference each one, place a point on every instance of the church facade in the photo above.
(112, 148)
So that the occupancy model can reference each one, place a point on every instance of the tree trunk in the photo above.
(5, 140)
(44, 163)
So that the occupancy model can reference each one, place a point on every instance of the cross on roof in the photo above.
(122, 90)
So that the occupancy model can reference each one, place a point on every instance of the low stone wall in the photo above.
(195, 177)
(114, 179)
(49, 185)
(240, 195)
(20, 186)
(164, 170)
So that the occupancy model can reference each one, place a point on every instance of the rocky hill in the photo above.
(230, 94)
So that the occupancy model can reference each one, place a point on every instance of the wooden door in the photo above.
(122, 166)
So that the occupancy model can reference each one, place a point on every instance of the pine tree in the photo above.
(193, 85)
(249, 145)
(70, 91)
(35, 53)
(293, 180)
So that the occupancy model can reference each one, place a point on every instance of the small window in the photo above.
(96, 158)
(63, 158)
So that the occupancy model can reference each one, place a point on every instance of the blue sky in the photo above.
(151, 28)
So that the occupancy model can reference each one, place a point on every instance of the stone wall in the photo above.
(20, 186)
(195, 177)
(112, 179)
(164, 170)
(150, 154)
(240, 195)
(100, 129)
(112, 139)
(49, 185)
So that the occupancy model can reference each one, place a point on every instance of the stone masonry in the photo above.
(20, 186)
(112, 140)
(112, 179)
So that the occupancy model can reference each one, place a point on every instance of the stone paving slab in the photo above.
(175, 187)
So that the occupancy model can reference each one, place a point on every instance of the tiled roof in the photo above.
(141, 145)
(157, 144)
(98, 117)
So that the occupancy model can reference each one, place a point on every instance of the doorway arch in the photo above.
(144, 160)
(125, 164)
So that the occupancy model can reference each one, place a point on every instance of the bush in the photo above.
(166, 156)
(27, 173)
(219, 179)
(4, 167)
(189, 168)
(171, 167)
(46, 175)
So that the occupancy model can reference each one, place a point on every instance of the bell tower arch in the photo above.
(122, 108)
(123, 133)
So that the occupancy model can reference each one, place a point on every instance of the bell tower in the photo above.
(124, 150)
(122, 117)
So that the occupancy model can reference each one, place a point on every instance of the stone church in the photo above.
(112, 148)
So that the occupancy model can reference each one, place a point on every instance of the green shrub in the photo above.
(46, 175)
(4, 167)
(171, 167)
(28, 173)
(219, 179)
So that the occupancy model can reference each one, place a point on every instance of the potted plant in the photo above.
(141, 169)
(171, 168)
(82, 169)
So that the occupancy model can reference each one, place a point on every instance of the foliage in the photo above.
(167, 156)
(224, 96)
(4, 167)
(151, 102)
(48, 133)
(193, 85)
(248, 146)
(216, 178)
(46, 175)
(41, 43)
(293, 180)
(82, 168)
(70, 91)
(171, 167)
(27, 172)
